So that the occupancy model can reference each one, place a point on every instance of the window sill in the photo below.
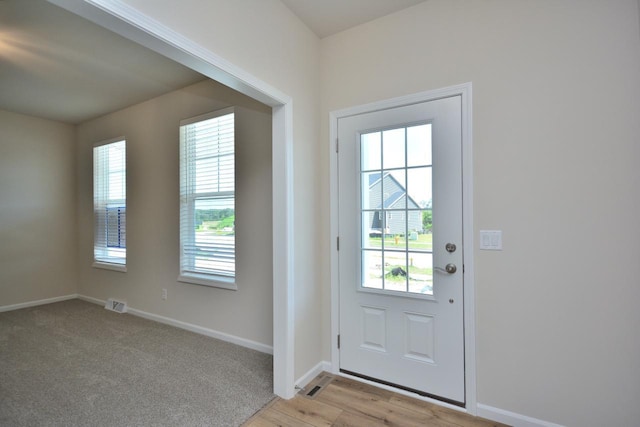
(110, 266)
(209, 280)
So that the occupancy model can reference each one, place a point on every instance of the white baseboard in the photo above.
(312, 373)
(511, 418)
(92, 300)
(263, 348)
(38, 302)
(484, 411)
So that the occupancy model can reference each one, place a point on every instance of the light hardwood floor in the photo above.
(344, 402)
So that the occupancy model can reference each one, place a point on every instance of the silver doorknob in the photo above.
(449, 268)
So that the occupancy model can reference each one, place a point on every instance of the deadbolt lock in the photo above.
(450, 247)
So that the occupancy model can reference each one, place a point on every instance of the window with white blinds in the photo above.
(110, 204)
(207, 200)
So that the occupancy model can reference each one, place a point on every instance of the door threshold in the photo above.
(400, 387)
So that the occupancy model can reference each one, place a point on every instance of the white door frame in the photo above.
(133, 25)
(464, 90)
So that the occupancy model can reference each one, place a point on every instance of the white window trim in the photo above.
(215, 281)
(110, 266)
(103, 263)
(196, 278)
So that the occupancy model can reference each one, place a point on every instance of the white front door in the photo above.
(400, 255)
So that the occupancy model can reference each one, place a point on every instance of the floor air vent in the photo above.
(314, 388)
(115, 305)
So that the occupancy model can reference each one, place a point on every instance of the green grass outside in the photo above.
(412, 271)
(424, 242)
(214, 227)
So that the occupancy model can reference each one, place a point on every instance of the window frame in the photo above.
(100, 226)
(189, 197)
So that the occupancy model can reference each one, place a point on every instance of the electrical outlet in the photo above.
(164, 293)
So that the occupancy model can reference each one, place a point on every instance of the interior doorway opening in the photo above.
(137, 27)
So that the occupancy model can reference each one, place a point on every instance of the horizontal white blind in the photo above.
(110, 202)
(207, 196)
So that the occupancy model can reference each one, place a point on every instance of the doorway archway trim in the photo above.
(130, 23)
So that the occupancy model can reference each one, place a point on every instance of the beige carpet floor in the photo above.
(74, 363)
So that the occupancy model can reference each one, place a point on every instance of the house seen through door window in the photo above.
(396, 209)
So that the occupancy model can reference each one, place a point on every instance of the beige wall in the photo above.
(556, 91)
(265, 39)
(37, 209)
(151, 131)
(556, 130)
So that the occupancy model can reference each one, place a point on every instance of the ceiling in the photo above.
(328, 17)
(58, 66)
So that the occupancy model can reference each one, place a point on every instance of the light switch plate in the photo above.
(491, 240)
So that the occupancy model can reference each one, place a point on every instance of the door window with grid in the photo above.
(396, 199)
